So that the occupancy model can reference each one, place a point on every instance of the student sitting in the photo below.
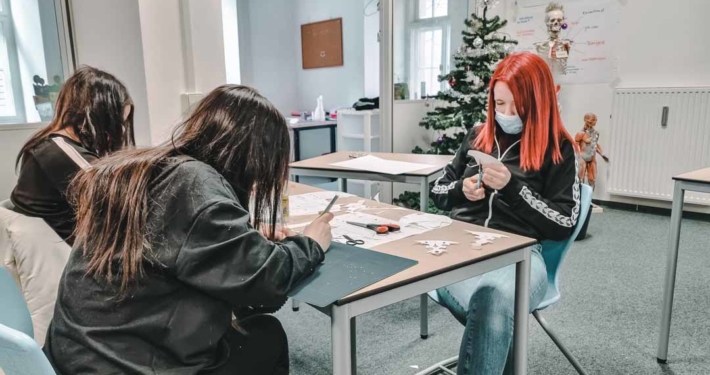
(534, 193)
(93, 118)
(166, 250)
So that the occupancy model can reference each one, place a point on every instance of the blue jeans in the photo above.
(485, 304)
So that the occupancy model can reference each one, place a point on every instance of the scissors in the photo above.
(378, 228)
(353, 242)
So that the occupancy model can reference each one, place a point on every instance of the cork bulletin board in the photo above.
(322, 44)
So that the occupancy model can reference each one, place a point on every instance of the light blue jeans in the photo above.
(485, 304)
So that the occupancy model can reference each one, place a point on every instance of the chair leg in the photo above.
(424, 316)
(295, 305)
(559, 344)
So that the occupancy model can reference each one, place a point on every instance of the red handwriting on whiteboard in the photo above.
(596, 42)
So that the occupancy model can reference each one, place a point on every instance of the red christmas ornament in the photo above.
(452, 82)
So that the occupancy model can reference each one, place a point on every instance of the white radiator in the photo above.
(650, 145)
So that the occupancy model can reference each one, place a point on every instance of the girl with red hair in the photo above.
(534, 191)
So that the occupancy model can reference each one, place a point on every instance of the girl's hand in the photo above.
(496, 176)
(470, 191)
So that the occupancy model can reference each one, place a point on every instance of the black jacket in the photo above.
(45, 175)
(540, 204)
(205, 261)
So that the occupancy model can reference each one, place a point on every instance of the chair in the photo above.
(19, 353)
(553, 253)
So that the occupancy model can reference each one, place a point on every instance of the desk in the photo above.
(698, 181)
(460, 262)
(321, 167)
(298, 127)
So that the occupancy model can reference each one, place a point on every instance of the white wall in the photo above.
(371, 48)
(108, 37)
(268, 50)
(340, 86)
(270, 46)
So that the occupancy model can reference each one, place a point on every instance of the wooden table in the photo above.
(698, 181)
(321, 167)
(460, 262)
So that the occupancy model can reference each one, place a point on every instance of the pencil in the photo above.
(330, 205)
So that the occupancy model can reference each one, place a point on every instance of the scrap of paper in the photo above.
(314, 203)
(372, 163)
(425, 221)
(483, 158)
(484, 238)
(437, 247)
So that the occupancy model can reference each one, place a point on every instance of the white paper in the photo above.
(374, 164)
(425, 221)
(484, 238)
(483, 158)
(314, 203)
(341, 228)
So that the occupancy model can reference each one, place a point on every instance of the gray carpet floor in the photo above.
(612, 285)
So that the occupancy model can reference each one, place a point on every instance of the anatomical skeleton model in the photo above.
(587, 140)
(555, 50)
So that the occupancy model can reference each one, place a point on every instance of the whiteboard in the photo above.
(592, 26)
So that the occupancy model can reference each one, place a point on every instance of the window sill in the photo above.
(30, 126)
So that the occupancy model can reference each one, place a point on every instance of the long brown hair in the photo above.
(91, 103)
(233, 129)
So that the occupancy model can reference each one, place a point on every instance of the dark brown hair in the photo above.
(91, 103)
(233, 129)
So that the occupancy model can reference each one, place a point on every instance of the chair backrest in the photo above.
(13, 309)
(20, 354)
(7, 204)
(554, 251)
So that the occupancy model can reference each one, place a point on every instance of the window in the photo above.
(11, 106)
(422, 45)
(34, 59)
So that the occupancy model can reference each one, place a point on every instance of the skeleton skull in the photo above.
(554, 21)
(590, 120)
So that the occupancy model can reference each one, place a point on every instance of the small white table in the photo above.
(321, 167)
(698, 181)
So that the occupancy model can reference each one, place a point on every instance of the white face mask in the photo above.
(509, 124)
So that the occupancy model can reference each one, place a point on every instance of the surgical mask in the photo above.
(509, 124)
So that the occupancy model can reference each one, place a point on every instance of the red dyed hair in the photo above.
(530, 81)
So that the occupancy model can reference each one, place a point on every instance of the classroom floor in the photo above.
(612, 285)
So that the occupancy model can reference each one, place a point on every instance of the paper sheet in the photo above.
(341, 228)
(374, 164)
(483, 158)
(313, 203)
(425, 221)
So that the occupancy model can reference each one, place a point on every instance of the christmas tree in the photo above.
(483, 47)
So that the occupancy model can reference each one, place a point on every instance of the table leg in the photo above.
(671, 265)
(343, 185)
(295, 305)
(341, 339)
(333, 142)
(353, 346)
(296, 147)
(424, 195)
(424, 316)
(522, 311)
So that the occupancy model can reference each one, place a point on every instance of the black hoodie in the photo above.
(205, 261)
(540, 204)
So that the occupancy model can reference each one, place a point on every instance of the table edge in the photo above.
(347, 300)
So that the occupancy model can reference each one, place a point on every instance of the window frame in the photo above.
(8, 29)
(415, 27)
(67, 52)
